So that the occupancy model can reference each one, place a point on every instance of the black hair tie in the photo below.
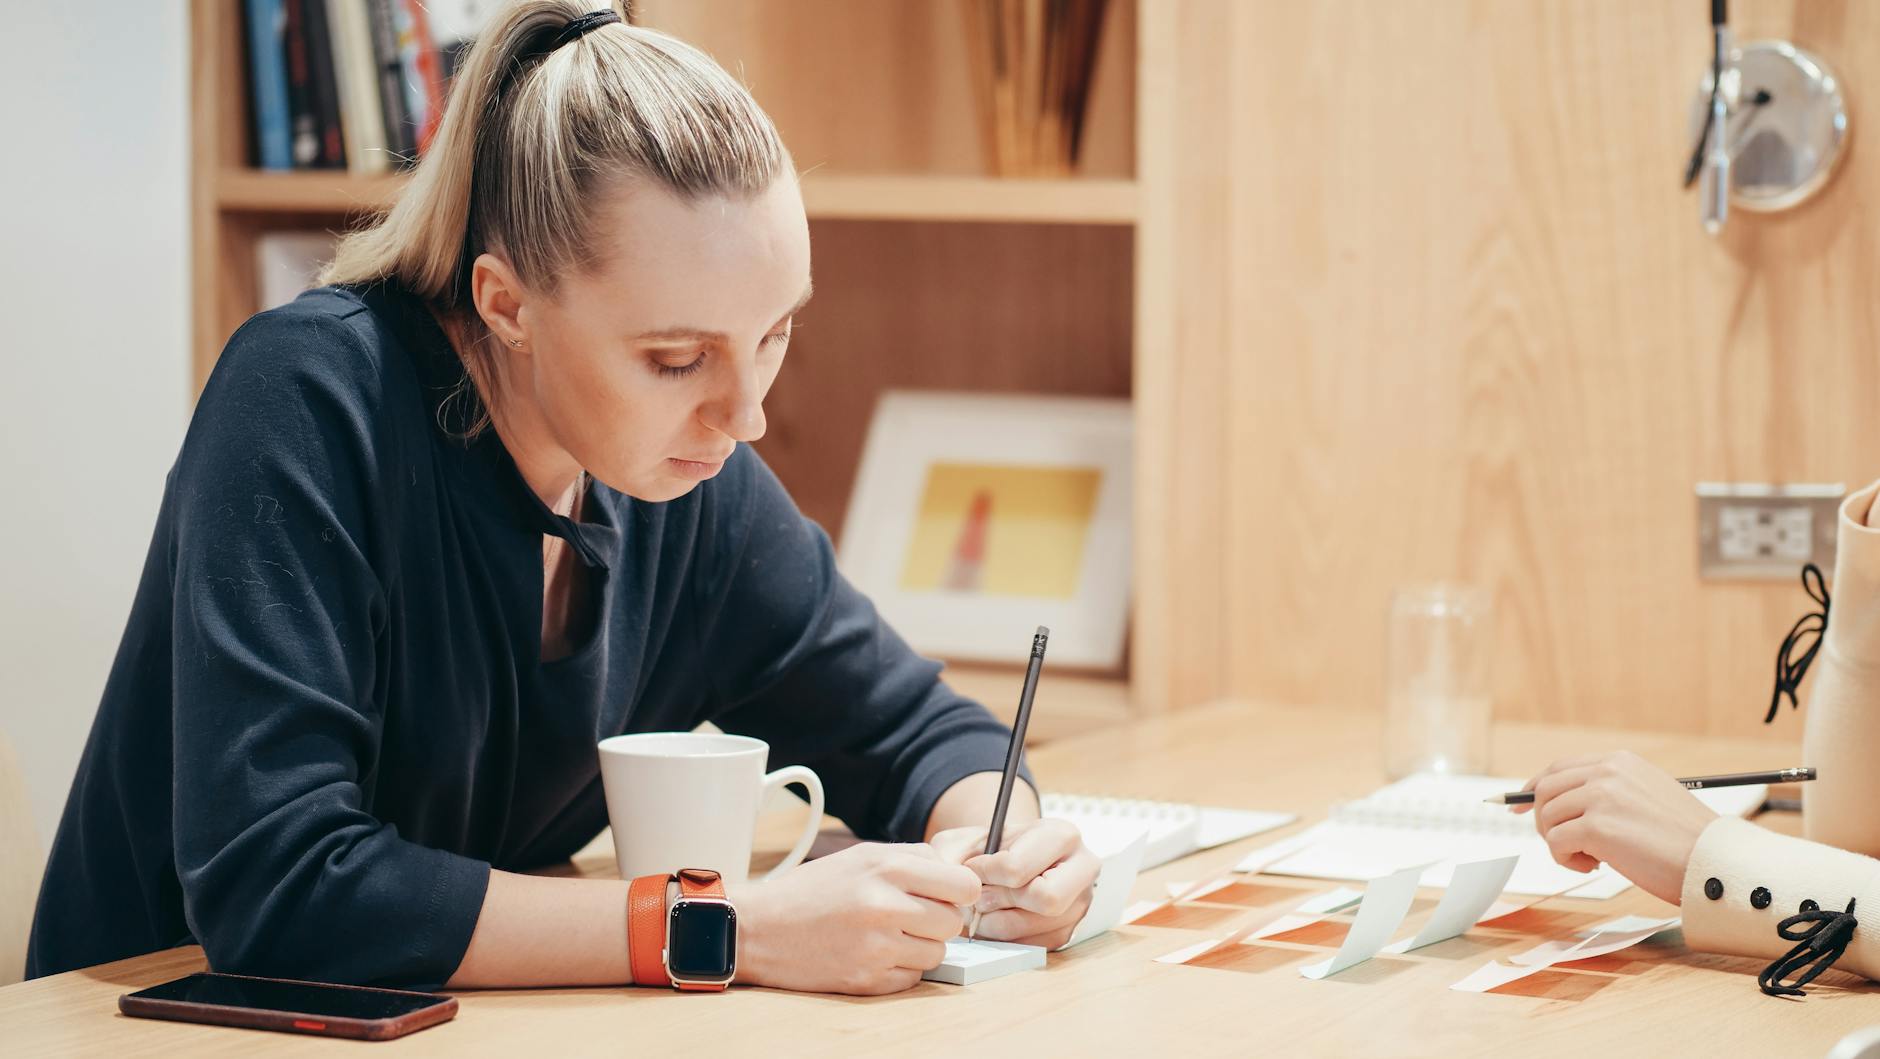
(1790, 671)
(582, 26)
(1822, 942)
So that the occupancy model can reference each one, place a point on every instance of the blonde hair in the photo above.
(533, 133)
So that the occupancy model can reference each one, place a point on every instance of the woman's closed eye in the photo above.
(774, 340)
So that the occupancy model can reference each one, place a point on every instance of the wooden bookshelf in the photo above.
(930, 273)
(827, 196)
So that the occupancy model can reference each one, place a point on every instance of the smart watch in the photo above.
(694, 945)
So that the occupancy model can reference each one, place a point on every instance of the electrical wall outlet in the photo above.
(1751, 530)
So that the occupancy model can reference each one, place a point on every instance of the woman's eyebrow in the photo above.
(718, 336)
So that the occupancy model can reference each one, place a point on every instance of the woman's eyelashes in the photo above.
(774, 340)
(680, 371)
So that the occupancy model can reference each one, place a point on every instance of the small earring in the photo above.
(517, 342)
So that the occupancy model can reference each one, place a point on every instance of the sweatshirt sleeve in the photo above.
(279, 616)
(1841, 727)
(804, 662)
(1738, 865)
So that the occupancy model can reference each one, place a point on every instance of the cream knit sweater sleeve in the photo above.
(1738, 865)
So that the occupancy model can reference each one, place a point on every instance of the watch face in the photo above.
(702, 940)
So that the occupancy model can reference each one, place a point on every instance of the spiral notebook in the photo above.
(1174, 829)
(1430, 817)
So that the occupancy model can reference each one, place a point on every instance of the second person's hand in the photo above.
(1621, 810)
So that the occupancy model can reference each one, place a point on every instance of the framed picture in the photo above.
(977, 518)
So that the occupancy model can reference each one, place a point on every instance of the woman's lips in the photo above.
(696, 469)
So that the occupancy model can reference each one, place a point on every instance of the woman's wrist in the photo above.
(752, 960)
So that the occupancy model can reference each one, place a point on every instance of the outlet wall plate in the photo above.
(1760, 531)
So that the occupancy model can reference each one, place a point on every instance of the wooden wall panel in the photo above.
(996, 308)
(1461, 322)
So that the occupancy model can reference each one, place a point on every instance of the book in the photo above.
(304, 118)
(422, 71)
(1440, 821)
(267, 84)
(361, 120)
(1174, 829)
(401, 140)
(323, 84)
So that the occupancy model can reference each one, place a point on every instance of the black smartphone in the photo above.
(359, 1012)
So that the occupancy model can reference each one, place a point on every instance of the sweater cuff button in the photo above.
(1759, 898)
(1713, 888)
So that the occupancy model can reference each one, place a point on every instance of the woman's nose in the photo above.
(738, 411)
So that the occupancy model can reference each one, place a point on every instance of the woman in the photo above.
(438, 527)
(1738, 882)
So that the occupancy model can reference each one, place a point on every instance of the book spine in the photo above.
(360, 115)
(423, 72)
(267, 80)
(306, 122)
(325, 86)
(400, 141)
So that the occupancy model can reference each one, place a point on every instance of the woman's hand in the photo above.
(1037, 887)
(866, 920)
(1621, 810)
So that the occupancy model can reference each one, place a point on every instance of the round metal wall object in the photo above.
(1784, 150)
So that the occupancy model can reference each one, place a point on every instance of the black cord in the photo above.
(1790, 671)
(1710, 109)
(1822, 940)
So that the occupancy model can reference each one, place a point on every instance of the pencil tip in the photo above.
(1042, 631)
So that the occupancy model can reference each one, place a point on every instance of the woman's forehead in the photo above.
(718, 259)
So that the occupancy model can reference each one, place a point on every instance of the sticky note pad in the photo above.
(978, 961)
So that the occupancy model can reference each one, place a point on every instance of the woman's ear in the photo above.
(499, 296)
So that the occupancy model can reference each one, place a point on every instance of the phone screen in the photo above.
(299, 998)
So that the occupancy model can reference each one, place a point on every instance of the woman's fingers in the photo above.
(1014, 924)
(919, 954)
(934, 879)
(934, 920)
(1568, 805)
(1035, 849)
(1568, 844)
(1553, 771)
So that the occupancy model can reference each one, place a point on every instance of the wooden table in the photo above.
(1108, 997)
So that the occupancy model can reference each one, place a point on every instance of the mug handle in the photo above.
(781, 778)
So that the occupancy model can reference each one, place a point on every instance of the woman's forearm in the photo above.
(1841, 723)
(969, 803)
(536, 931)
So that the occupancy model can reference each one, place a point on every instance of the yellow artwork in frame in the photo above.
(977, 518)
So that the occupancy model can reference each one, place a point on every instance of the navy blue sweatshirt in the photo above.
(328, 718)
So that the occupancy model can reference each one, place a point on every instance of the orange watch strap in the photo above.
(700, 882)
(646, 929)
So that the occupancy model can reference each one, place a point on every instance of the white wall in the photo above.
(94, 321)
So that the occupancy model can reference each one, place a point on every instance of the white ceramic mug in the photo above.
(690, 800)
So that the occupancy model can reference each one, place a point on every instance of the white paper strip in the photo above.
(1115, 879)
(1472, 889)
(1330, 901)
(1563, 950)
(1385, 903)
(1138, 910)
(1189, 952)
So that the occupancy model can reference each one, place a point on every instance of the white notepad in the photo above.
(1429, 817)
(976, 961)
(1174, 829)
